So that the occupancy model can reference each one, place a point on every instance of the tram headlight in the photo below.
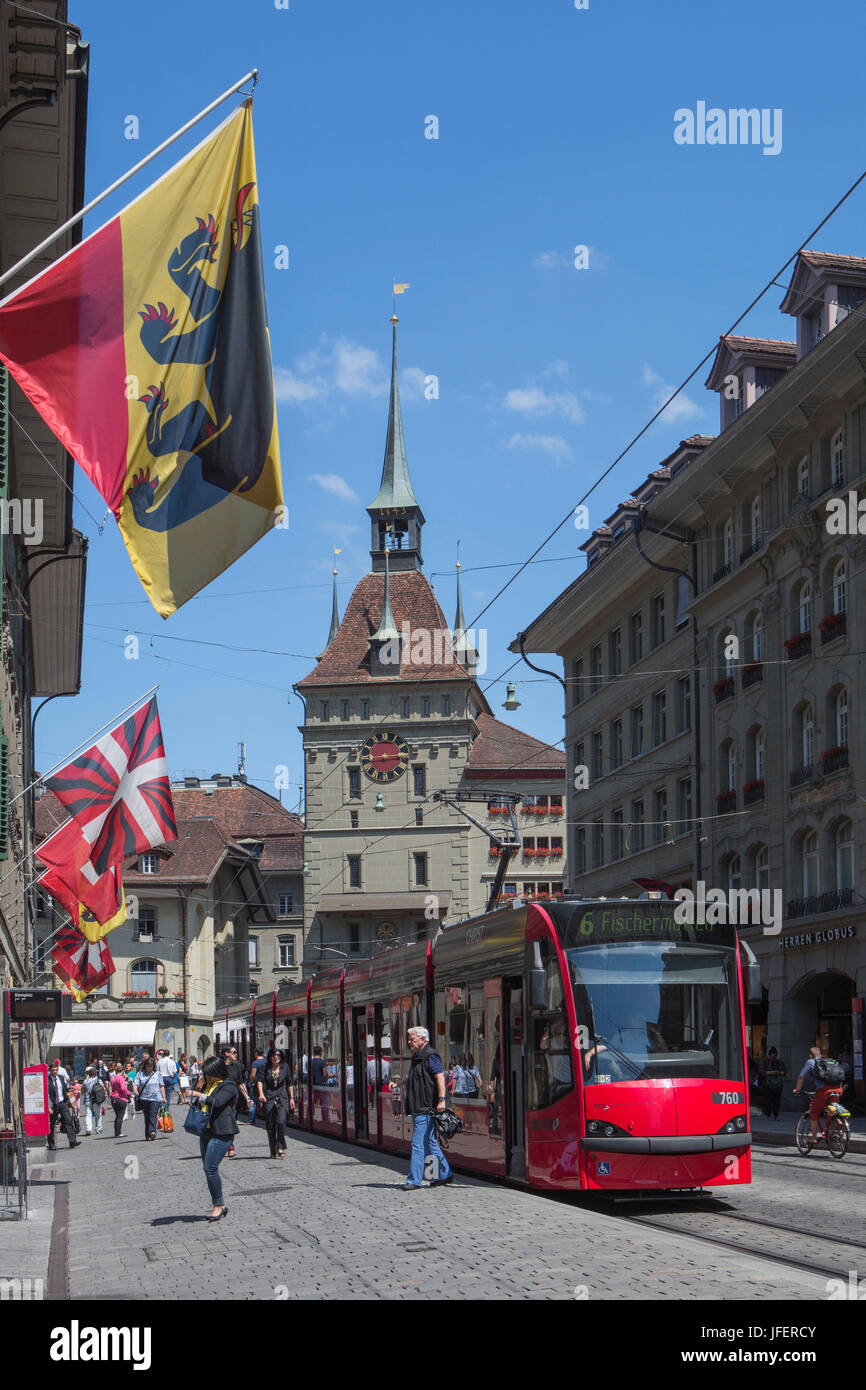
(733, 1126)
(598, 1128)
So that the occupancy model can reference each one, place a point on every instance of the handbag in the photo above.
(447, 1125)
(196, 1121)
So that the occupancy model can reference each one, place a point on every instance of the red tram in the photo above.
(588, 1044)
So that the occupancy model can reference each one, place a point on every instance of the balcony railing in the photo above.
(750, 550)
(833, 626)
(809, 773)
(822, 902)
(753, 673)
(724, 689)
(753, 791)
(799, 645)
(726, 801)
(720, 573)
(834, 759)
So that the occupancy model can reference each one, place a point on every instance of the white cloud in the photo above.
(412, 381)
(357, 370)
(335, 366)
(531, 400)
(555, 260)
(337, 486)
(296, 389)
(551, 260)
(343, 531)
(681, 408)
(552, 444)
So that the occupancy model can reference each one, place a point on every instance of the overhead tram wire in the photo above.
(771, 283)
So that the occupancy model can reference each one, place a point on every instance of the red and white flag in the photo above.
(71, 878)
(83, 965)
(118, 791)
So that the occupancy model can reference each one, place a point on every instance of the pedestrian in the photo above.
(773, 1075)
(167, 1069)
(120, 1097)
(151, 1093)
(61, 1070)
(812, 1074)
(235, 1074)
(183, 1081)
(58, 1096)
(130, 1071)
(276, 1095)
(95, 1096)
(424, 1096)
(218, 1099)
(195, 1073)
(256, 1069)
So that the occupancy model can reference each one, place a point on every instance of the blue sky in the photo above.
(555, 129)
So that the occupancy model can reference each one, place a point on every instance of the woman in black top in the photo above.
(218, 1098)
(277, 1096)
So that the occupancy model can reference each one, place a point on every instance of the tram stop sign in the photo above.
(38, 1005)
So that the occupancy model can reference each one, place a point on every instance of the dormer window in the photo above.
(813, 330)
(147, 864)
(848, 298)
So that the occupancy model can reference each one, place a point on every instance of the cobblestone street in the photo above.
(330, 1221)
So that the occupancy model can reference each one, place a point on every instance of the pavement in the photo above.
(330, 1222)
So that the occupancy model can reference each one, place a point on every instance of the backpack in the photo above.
(828, 1072)
(97, 1093)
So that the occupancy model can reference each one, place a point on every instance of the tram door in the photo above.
(513, 1050)
(374, 1072)
(359, 1073)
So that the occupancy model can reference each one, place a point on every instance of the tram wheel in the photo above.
(802, 1136)
(838, 1135)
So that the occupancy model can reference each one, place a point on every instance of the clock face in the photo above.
(384, 757)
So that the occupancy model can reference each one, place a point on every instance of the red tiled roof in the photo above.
(779, 346)
(347, 659)
(834, 259)
(501, 748)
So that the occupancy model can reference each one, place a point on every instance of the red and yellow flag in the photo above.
(146, 351)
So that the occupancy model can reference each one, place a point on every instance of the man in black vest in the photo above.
(425, 1094)
(57, 1099)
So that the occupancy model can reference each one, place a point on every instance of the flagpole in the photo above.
(94, 202)
(86, 744)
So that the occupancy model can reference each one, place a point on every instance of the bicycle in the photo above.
(833, 1128)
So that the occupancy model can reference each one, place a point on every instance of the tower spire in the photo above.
(395, 506)
(335, 612)
(387, 630)
(463, 648)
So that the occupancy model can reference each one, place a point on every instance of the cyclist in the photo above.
(823, 1094)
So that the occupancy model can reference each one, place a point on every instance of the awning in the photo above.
(359, 903)
(85, 1032)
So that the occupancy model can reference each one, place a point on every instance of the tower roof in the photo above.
(395, 489)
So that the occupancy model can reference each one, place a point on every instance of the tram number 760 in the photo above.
(728, 1097)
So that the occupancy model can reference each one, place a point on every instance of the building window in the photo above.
(405, 709)
(354, 870)
(616, 743)
(661, 815)
(837, 452)
(811, 877)
(580, 850)
(419, 780)
(683, 595)
(353, 820)
(147, 864)
(253, 943)
(636, 633)
(579, 760)
(285, 905)
(759, 755)
(426, 706)
(419, 816)
(615, 645)
(595, 666)
(345, 711)
(840, 577)
(597, 755)
(842, 719)
(684, 805)
(762, 869)
(758, 638)
(144, 976)
(617, 845)
(285, 951)
(354, 775)
(598, 844)
(803, 477)
(146, 924)
(577, 681)
(806, 607)
(845, 856)
(659, 718)
(637, 731)
(807, 736)
(354, 939)
(637, 825)
(684, 704)
(420, 870)
(365, 709)
(735, 875)
(446, 704)
(756, 522)
(326, 713)
(658, 620)
(728, 543)
(730, 766)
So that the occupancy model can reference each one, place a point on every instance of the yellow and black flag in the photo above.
(146, 351)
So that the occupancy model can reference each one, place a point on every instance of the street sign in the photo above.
(38, 1005)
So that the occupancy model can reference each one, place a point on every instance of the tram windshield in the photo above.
(654, 1010)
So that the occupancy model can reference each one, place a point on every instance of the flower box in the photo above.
(530, 853)
(726, 798)
(556, 809)
(542, 853)
(556, 854)
(833, 621)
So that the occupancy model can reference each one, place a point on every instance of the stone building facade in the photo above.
(765, 788)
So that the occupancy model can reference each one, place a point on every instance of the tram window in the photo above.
(494, 1055)
(551, 1073)
(325, 1050)
(463, 1042)
(350, 1067)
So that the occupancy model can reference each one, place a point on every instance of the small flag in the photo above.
(146, 350)
(81, 964)
(119, 793)
(91, 927)
(71, 878)
(400, 289)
